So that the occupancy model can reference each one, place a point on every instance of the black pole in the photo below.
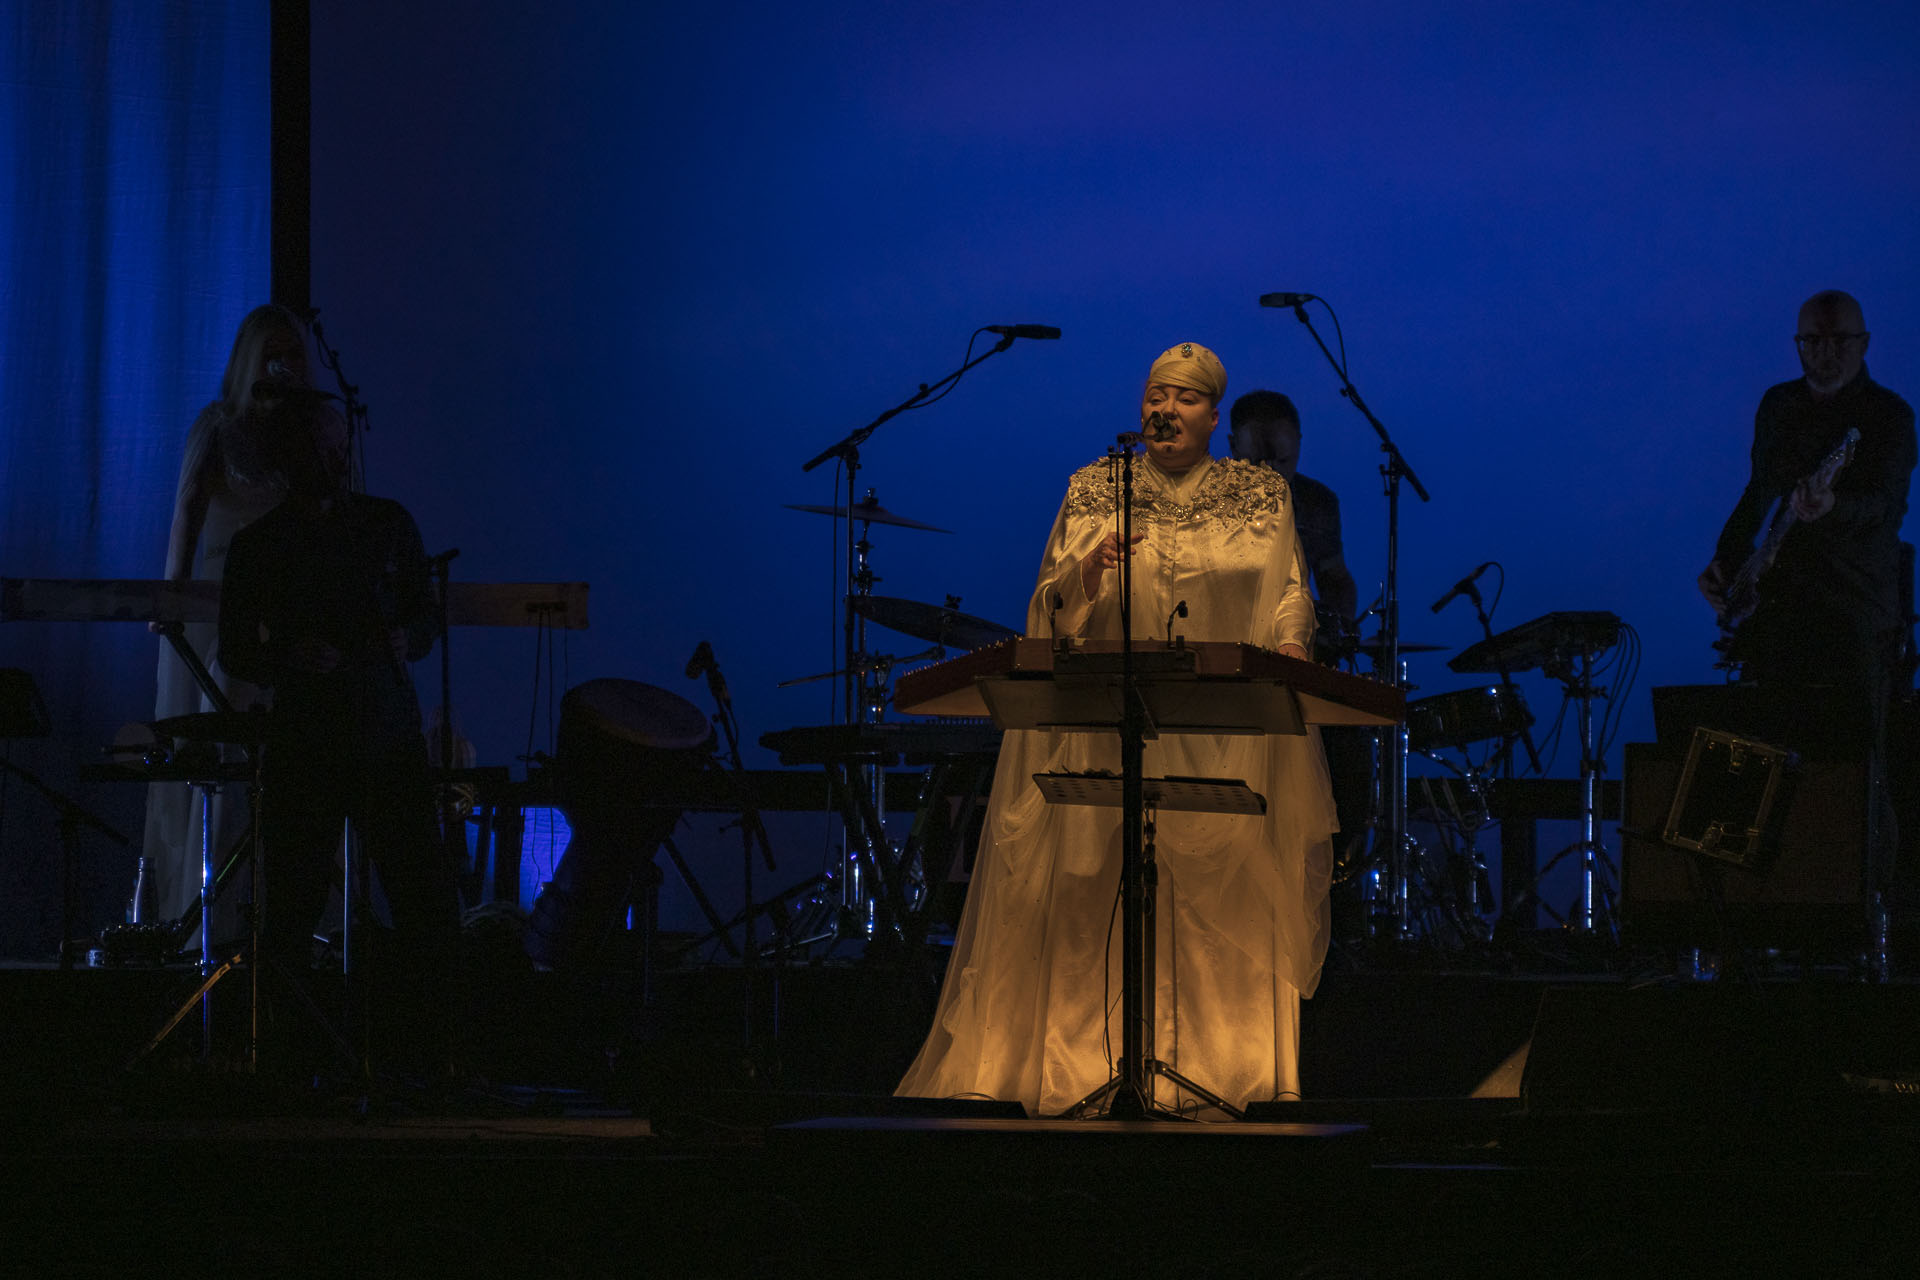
(290, 153)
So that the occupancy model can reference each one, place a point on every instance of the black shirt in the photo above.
(345, 575)
(1847, 563)
(1316, 517)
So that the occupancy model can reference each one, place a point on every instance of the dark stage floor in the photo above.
(1706, 1129)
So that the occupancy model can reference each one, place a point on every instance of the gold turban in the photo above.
(1188, 364)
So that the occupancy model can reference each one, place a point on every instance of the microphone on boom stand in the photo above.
(1464, 587)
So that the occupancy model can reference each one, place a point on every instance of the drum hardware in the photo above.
(862, 700)
(882, 663)
(866, 677)
(1394, 748)
(1456, 911)
(1501, 662)
(892, 893)
(1563, 646)
(1445, 890)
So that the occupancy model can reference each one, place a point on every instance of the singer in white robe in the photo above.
(1030, 1009)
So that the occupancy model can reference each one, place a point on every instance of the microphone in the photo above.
(1179, 611)
(1055, 603)
(1024, 330)
(1158, 426)
(1286, 299)
(1464, 587)
(702, 661)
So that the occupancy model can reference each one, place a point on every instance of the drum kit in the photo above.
(871, 885)
(1437, 892)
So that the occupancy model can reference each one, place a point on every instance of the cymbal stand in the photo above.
(1452, 907)
(864, 701)
(848, 452)
(1394, 743)
(1593, 912)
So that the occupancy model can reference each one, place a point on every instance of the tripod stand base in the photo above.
(1126, 1100)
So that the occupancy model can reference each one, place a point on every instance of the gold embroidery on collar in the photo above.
(1235, 491)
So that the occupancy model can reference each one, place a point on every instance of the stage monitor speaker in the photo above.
(1718, 1047)
(1805, 890)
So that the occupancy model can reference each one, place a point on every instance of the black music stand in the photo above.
(1190, 795)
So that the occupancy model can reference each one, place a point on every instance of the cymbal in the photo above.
(942, 624)
(247, 727)
(872, 513)
(1550, 641)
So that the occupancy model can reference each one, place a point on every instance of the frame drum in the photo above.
(623, 747)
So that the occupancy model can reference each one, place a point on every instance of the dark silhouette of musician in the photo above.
(326, 601)
(1829, 609)
(1264, 427)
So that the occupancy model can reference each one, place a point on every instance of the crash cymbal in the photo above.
(246, 727)
(871, 512)
(942, 624)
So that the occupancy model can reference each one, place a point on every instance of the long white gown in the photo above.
(235, 499)
(1030, 1007)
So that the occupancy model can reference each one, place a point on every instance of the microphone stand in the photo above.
(1394, 757)
(1128, 1093)
(848, 451)
(1505, 668)
(864, 701)
(753, 834)
(356, 413)
(452, 833)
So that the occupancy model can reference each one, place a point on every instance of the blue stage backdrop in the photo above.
(133, 219)
(610, 275)
(607, 274)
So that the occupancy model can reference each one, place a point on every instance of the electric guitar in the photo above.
(1743, 593)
